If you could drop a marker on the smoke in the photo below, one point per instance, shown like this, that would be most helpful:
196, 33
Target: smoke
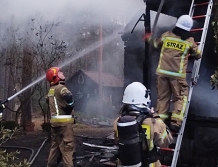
171, 7
74, 17
67, 10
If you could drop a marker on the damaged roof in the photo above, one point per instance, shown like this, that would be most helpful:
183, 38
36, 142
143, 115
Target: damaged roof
108, 80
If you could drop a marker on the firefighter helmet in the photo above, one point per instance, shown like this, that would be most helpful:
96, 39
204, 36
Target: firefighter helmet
137, 94
185, 22
52, 75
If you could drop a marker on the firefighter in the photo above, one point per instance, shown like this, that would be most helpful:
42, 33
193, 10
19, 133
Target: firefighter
2, 107
61, 104
136, 103
176, 46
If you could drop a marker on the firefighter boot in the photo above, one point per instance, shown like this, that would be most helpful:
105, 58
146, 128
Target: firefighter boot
167, 121
174, 126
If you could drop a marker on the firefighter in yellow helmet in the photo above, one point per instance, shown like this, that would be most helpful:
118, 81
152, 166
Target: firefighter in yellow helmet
138, 130
176, 46
61, 104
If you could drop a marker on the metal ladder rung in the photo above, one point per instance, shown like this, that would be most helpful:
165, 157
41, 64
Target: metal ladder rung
196, 29
201, 4
174, 133
197, 17
188, 71
166, 149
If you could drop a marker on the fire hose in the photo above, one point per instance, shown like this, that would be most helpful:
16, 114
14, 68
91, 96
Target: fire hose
20, 148
33, 156
2, 106
30, 162
5, 101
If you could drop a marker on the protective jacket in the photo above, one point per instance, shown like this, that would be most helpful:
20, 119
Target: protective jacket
171, 71
58, 105
157, 135
61, 106
174, 54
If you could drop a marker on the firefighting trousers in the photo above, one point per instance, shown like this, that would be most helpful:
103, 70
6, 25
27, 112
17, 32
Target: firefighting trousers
62, 145
155, 164
175, 89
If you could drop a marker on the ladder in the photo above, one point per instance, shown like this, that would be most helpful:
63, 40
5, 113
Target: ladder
196, 9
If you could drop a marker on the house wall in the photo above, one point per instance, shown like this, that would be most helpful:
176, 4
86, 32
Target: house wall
112, 100
85, 92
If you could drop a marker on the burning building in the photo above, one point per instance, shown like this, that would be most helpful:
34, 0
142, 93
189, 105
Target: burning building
201, 126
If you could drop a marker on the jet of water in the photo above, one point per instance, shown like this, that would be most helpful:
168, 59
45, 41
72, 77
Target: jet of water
89, 49
27, 87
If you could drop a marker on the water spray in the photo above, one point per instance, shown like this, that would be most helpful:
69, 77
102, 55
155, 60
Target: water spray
89, 49
21, 91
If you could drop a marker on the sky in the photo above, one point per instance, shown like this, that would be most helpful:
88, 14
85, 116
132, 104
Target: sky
65, 9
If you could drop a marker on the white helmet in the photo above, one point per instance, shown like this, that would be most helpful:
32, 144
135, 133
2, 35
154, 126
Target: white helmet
185, 22
136, 93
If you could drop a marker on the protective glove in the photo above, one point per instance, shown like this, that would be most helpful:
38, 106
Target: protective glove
2, 106
69, 108
147, 36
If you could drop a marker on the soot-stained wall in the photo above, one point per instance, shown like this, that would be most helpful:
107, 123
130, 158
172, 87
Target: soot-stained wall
134, 51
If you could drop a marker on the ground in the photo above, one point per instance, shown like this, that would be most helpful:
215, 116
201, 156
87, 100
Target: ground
34, 146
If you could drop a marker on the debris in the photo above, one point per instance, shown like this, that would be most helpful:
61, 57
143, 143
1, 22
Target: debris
99, 146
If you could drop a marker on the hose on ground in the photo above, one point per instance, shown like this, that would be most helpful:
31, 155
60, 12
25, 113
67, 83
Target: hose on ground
37, 153
21, 148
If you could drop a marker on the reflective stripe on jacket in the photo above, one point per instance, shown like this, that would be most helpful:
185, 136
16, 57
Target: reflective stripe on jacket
62, 118
174, 54
57, 104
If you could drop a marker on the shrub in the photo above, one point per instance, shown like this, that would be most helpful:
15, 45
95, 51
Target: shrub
9, 159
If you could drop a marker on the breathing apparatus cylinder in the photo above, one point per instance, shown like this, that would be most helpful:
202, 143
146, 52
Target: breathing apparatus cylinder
130, 146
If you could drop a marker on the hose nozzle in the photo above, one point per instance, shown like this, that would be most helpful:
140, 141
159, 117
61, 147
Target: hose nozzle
4, 101
2, 106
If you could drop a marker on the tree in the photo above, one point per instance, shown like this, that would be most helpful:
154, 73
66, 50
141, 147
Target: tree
48, 50
214, 77
11, 54
27, 70
26, 59
28, 54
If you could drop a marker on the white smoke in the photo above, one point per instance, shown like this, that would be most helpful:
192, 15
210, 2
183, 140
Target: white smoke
66, 10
